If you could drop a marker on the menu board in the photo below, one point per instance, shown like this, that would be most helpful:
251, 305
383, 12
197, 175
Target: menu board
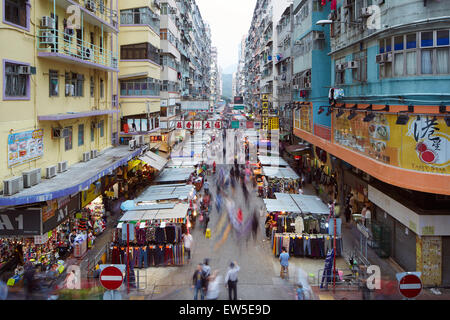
25, 146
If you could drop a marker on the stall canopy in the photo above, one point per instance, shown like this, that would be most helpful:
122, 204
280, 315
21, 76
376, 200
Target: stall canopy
307, 204
175, 174
184, 162
166, 192
153, 160
273, 161
179, 211
282, 173
281, 205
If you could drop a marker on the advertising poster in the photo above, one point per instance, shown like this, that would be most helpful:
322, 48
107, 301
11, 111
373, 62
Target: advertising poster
25, 146
421, 145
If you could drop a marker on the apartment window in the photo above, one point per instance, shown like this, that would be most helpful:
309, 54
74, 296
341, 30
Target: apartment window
139, 51
53, 83
74, 84
92, 133
102, 89
80, 134
16, 12
360, 74
422, 53
68, 138
102, 128
340, 73
140, 87
164, 8
16, 83
140, 16
92, 87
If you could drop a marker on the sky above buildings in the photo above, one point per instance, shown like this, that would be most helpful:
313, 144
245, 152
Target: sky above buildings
229, 20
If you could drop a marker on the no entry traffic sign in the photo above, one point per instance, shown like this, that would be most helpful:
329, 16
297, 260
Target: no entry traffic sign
410, 286
111, 278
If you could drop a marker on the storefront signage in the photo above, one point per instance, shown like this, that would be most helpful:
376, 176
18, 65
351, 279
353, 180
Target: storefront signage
25, 146
25, 222
422, 145
93, 192
64, 207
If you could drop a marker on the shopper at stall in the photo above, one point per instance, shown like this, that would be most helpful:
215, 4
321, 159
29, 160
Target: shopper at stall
284, 262
188, 240
231, 280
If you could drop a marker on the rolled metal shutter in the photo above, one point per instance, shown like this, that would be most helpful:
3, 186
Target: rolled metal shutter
446, 261
405, 247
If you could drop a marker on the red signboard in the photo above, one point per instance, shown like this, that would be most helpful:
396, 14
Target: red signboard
111, 278
410, 286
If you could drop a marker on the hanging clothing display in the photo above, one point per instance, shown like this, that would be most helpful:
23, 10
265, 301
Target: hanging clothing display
306, 245
150, 256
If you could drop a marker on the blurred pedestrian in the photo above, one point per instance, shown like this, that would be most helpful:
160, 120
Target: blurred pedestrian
284, 262
198, 282
231, 280
213, 287
255, 225
29, 280
206, 186
206, 221
188, 240
300, 293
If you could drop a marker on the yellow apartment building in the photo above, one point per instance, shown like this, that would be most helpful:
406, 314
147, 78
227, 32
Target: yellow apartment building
140, 71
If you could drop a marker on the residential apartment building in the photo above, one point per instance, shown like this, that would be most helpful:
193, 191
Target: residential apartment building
260, 55
372, 102
140, 71
215, 81
60, 115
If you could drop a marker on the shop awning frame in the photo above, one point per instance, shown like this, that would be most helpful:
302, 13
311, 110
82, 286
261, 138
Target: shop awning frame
153, 160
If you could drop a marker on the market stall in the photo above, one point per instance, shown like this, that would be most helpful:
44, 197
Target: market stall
170, 175
158, 236
272, 161
280, 180
301, 224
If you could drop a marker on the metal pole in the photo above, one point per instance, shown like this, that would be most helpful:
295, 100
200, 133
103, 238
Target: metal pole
334, 247
128, 258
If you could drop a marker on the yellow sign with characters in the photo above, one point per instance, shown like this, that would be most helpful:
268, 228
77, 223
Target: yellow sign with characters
265, 97
421, 145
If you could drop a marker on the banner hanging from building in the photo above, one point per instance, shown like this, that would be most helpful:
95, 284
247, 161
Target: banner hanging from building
421, 145
25, 146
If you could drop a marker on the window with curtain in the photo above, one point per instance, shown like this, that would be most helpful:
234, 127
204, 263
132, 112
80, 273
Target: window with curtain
16, 85
102, 128
92, 134
427, 61
80, 134
68, 139
399, 64
442, 63
53, 83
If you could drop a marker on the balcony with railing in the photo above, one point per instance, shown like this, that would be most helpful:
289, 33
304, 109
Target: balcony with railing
140, 16
66, 47
94, 12
144, 88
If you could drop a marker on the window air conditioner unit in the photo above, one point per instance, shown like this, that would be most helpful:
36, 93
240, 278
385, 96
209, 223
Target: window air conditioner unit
296, 87
388, 57
31, 177
12, 186
48, 37
50, 172
298, 42
156, 3
87, 54
340, 67
308, 85
62, 166
319, 36
47, 22
332, 16
132, 144
94, 125
91, 5
24, 70
380, 58
173, 10
57, 133
94, 153
352, 65
365, 12
86, 156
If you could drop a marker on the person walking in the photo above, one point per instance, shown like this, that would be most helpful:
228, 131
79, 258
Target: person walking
198, 282
284, 262
187, 239
231, 280
206, 221
213, 287
300, 292
206, 186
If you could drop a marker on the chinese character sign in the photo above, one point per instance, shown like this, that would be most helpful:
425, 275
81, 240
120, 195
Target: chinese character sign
198, 125
207, 125
188, 125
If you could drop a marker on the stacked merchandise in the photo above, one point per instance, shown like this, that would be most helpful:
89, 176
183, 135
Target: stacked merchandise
96, 211
154, 245
304, 236
282, 185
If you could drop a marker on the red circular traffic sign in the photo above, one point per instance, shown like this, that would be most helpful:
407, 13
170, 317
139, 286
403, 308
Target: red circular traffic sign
410, 286
111, 278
